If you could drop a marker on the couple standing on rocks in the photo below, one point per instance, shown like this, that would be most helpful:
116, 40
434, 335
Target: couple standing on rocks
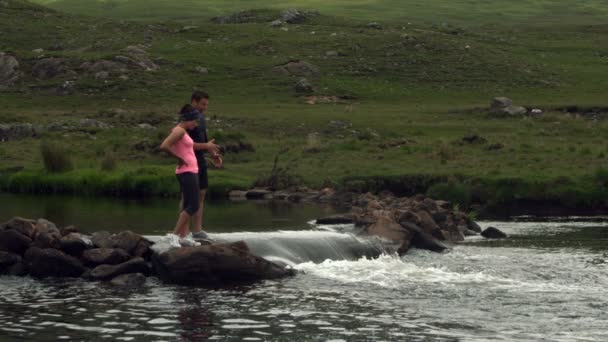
188, 142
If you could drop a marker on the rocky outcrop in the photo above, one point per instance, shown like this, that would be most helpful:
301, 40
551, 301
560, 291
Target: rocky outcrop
297, 68
214, 265
9, 71
18, 131
38, 248
47, 68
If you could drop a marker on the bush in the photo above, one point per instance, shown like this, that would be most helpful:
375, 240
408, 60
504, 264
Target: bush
108, 163
456, 193
55, 157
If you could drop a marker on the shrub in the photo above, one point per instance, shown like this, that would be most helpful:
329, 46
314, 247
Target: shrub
456, 193
55, 157
108, 163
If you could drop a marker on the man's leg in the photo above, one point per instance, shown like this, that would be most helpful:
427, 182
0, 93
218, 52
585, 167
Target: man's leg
197, 219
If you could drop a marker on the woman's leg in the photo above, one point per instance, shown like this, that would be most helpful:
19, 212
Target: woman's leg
181, 227
189, 187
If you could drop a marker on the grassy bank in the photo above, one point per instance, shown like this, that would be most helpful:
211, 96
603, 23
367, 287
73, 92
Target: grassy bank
407, 103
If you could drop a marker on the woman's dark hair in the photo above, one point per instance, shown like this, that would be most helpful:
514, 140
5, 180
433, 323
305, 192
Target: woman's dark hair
198, 95
187, 108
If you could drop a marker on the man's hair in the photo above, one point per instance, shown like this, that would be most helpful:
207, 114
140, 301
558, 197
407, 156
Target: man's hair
199, 95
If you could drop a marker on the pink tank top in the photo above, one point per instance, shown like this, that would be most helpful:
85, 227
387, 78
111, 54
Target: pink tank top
184, 148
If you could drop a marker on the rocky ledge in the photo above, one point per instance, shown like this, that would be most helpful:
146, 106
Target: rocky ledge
40, 249
407, 222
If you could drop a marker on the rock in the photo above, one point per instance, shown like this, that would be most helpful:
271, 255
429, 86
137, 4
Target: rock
495, 147
108, 256
74, 244
240, 17
213, 265
303, 86
102, 239
336, 219
332, 53
426, 222
9, 71
14, 242
201, 70
276, 23
393, 231
110, 67
499, 103
298, 68
515, 110
474, 139
536, 112
102, 75
106, 272
18, 131
258, 193
69, 229
49, 68
472, 225
335, 125
493, 233
21, 225
423, 240
50, 262
237, 195
145, 126
129, 280
95, 124
132, 243
294, 16
7, 260
374, 25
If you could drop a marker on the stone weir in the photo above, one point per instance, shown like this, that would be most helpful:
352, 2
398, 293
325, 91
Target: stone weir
410, 222
39, 249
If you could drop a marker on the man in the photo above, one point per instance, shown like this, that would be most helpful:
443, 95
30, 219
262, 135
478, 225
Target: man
200, 100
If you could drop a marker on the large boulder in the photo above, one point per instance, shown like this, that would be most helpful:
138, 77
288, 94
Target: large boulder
422, 240
298, 68
102, 239
21, 225
390, 230
14, 242
47, 235
108, 256
215, 265
493, 233
49, 68
49, 262
8, 260
18, 131
9, 71
107, 272
132, 243
75, 244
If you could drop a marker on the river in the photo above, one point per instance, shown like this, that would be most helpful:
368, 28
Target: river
547, 282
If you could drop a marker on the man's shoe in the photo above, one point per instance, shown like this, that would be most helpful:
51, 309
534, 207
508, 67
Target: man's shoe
202, 235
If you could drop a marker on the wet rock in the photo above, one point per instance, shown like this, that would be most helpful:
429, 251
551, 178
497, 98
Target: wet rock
108, 256
21, 225
7, 260
13, 132
9, 71
132, 243
298, 68
472, 225
336, 219
51, 262
102, 239
426, 222
47, 235
49, 68
423, 240
493, 233
14, 242
393, 231
106, 272
213, 265
258, 193
74, 244
129, 280
69, 229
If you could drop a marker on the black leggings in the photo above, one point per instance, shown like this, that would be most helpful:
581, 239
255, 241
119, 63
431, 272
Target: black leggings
188, 183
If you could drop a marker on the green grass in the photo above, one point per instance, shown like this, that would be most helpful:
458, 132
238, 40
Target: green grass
415, 90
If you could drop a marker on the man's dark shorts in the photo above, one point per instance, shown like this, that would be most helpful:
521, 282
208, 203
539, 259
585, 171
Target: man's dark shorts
203, 179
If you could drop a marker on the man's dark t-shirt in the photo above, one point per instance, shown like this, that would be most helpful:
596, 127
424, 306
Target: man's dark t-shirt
199, 135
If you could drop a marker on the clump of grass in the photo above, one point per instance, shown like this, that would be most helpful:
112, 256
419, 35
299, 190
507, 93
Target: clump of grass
457, 193
313, 144
55, 157
445, 153
109, 162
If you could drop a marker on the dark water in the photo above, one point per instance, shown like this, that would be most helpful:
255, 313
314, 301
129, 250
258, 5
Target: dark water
547, 282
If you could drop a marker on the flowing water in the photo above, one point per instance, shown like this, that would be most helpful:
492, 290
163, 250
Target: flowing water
547, 282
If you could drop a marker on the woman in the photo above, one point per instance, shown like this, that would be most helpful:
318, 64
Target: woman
180, 145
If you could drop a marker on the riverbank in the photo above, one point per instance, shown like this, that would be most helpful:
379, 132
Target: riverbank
485, 197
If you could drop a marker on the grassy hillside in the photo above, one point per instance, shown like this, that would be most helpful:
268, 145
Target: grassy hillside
402, 97
469, 13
